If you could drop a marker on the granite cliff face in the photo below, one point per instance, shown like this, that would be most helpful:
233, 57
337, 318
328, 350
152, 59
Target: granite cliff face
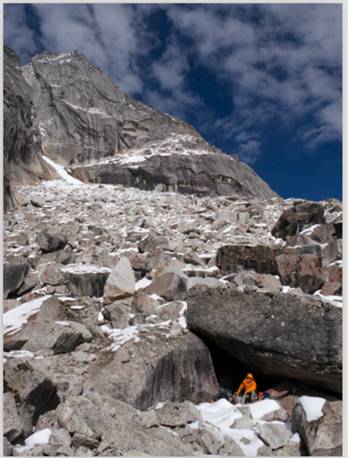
84, 121
23, 163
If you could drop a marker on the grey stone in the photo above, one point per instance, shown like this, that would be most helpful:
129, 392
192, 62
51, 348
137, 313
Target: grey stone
36, 391
274, 434
120, 283
292, 448
117, 313
280, 334
322, 436
174, 414
152, 242
46, 330
60, 437
148, 419
66, 255
50, 274
298, 217
13, 427
50, 241
231, 258
31, 281
14, 276
210, 282
7, 447
169, 285
144, 303
302, 271
169, 311
276, 415
94, 420
244, 422
157, 369
85, 280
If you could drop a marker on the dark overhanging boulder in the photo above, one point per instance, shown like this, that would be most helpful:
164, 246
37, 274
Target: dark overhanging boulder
261, 258
297, 218
285, 335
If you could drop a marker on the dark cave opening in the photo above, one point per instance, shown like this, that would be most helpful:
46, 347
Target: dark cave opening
230, 372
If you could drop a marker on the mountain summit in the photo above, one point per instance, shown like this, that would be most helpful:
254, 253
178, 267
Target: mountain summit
84, 121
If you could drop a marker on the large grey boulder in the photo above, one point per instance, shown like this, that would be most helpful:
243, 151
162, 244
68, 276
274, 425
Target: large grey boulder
14, 277
117, 313
48, 329
50, 241
281, 335
254, 281
320, 425
176, 414
300, 216
120, 283
36, 391
209, 441
231, 258
13, 427
83, 117
111, 427
155, 369
152, 242
304, 271
85, 280
7, 447
169, 285
274, 434
23, 163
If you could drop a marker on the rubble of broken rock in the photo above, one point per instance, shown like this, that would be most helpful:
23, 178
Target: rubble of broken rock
114, 297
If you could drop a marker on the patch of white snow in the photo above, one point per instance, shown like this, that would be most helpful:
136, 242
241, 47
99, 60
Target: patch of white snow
143, 283
39, 438
261, 408
62, 172
312, 406
15, 318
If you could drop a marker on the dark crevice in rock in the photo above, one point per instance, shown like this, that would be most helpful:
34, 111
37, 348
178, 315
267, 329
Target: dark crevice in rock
44, 398
230, 371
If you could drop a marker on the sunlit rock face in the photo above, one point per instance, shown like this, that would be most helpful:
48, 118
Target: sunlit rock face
86, 122
23, 163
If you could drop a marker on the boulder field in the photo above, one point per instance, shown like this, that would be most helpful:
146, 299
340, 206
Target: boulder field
114, 299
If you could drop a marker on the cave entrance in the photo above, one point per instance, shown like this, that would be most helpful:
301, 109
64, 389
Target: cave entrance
230, 371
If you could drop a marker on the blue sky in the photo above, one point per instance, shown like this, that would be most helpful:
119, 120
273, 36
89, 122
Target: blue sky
262, 81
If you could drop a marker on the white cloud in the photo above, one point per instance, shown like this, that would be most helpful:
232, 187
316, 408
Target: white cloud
169, 73
111, 36
16, 30
283, 64
280, 63
249, 151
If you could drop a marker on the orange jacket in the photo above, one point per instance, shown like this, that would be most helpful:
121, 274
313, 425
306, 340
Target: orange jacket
247, 386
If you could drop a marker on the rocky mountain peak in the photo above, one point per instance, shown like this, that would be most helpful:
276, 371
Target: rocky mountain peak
86, 122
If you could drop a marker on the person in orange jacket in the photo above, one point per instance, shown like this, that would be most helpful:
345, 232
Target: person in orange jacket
248, 389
